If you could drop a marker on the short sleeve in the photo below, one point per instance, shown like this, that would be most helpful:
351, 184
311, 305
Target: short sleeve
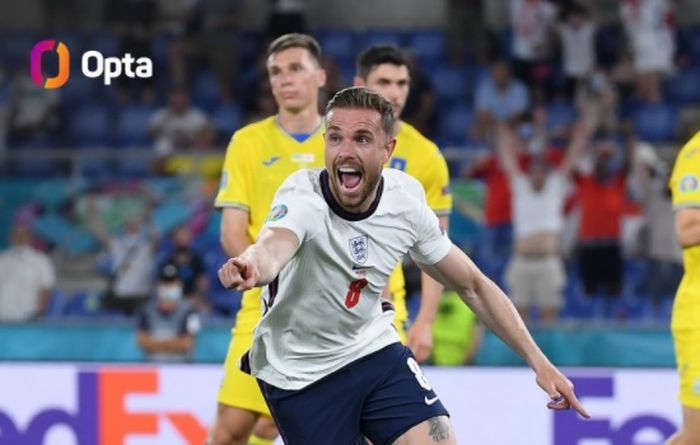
685, 180
236, 179
432, 244
295, 209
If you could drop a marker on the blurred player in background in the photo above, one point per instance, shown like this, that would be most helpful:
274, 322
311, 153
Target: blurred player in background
329, 362
685, 187
384, 69
259, 157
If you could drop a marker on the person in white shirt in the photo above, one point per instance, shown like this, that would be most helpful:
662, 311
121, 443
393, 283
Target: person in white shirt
531, 21
650, 28
577, 39
535, 274
179, 126
325, 354
27, 278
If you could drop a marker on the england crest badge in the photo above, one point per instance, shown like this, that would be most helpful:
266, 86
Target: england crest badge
358, 248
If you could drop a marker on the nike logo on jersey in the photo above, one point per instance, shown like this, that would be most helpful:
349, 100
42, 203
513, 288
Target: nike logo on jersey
430, 401
271, 161
358, 267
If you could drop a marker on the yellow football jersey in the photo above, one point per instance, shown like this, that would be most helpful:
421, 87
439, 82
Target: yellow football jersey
685, 187
419, 157
258, 159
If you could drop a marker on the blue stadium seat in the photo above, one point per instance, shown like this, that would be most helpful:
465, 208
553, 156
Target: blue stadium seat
655, 122
62, 233
79, 90
449, 83
171, 214
205, 90
339, 44
107, 44
227, 119
454, 124
132, 126
684, 87
378, 36
89, 126
427, 45
560, 114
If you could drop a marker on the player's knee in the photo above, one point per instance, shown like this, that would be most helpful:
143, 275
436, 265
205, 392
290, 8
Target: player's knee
265, 428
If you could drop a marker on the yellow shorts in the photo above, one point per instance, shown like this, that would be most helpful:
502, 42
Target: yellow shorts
687, 344
239, 389
397, 289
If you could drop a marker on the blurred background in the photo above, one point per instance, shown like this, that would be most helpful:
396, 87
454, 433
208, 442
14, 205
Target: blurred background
104, 186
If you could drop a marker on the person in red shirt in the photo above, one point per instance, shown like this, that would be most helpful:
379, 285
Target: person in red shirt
602, 202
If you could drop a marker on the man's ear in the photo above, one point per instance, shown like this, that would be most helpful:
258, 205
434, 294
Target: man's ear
389, 148
321, 78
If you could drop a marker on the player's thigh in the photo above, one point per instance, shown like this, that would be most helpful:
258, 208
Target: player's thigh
401, 396
327, 411
691, 425
436, 430
239, 389
232, 426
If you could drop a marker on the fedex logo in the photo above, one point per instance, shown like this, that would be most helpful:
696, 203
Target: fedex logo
93, 64
102, 416
642, 428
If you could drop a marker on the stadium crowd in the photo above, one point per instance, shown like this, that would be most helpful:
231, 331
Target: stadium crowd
558, 128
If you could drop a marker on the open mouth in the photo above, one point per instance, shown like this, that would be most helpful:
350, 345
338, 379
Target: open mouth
350, 178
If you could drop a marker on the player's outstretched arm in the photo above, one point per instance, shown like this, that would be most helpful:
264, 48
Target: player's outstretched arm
261, 262
495, 310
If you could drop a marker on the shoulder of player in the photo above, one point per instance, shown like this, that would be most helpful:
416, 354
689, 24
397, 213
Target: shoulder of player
256, 129
409, 137
396, 181
303, 183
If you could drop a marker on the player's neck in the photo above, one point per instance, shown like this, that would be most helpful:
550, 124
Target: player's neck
304, 121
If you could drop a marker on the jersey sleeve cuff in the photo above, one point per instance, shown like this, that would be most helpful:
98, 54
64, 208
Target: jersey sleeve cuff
231, 205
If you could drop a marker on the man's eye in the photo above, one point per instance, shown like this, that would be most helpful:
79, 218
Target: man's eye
362, 139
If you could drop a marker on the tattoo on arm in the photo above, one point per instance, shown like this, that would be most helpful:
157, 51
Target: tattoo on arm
439, 429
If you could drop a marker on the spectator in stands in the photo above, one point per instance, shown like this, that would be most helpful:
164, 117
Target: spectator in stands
650, 26
32, 110
421, 105
191, 267
457, 334
535, 273
577, 38
179, 126
134, 21
498, 97
27, 278
601, 197
532, 24
665, 255
132, 254
207, 36
286, 17
168, 324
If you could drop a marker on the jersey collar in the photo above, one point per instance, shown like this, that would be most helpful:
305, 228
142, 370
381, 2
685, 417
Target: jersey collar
341, 212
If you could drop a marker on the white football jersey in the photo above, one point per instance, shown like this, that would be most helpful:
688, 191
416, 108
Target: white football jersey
325, 309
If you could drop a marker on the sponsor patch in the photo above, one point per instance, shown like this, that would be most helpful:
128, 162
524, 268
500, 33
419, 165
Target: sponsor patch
688, 184
224, 180
278, 212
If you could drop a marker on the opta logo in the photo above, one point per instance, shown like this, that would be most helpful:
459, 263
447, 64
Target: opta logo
63, 64
92, 63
